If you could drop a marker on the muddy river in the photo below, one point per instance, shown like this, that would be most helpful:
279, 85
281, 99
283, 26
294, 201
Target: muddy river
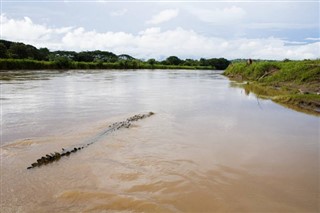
210, 147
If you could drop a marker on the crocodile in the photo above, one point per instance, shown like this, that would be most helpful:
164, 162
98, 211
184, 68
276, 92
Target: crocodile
55, 156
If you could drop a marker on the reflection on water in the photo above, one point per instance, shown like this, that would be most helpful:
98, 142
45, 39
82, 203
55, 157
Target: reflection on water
274, 93
208, 148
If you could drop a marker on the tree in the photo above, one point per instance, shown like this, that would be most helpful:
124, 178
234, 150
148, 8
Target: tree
216, 63
18, 50
204, 62
152, 61
62, 62
173, 60
3, 51
191, 62
221, 63
135, 64
123, 64
6, 43
43, 54
84, 56
32, 52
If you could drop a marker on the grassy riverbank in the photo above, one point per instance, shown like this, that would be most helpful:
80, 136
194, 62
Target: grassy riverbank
293, 83
28, 64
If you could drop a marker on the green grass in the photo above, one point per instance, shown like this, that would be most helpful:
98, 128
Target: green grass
297, 71
28, 64
295, 83
18, 64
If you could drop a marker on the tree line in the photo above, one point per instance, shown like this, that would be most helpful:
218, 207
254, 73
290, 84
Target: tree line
27, 55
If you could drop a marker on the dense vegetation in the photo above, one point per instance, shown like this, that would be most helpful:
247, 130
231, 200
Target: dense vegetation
15, 55
291, 82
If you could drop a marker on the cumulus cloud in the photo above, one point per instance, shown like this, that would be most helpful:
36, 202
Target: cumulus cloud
219, 16
163, 16
156, 43
27, 31
79, 39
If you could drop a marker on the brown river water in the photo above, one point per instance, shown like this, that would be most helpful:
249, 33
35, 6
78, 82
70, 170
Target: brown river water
208, 148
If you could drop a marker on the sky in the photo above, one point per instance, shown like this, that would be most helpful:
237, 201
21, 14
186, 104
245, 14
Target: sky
265, 29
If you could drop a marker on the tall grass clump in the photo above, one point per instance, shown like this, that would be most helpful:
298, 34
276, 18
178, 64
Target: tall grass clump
19, 64
277, 71
253, 71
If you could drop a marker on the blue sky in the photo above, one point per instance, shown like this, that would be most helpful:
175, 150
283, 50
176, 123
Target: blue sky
230, 29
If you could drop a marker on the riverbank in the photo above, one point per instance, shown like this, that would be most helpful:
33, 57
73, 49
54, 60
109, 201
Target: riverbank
292, 83
29, 64
20, 56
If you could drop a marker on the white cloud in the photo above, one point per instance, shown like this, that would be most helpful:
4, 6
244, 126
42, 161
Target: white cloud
25, 30
163, 16
155, 43
274, 25
152, 30
295, 42
312, 39
219, 16
79, 39
119, 12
